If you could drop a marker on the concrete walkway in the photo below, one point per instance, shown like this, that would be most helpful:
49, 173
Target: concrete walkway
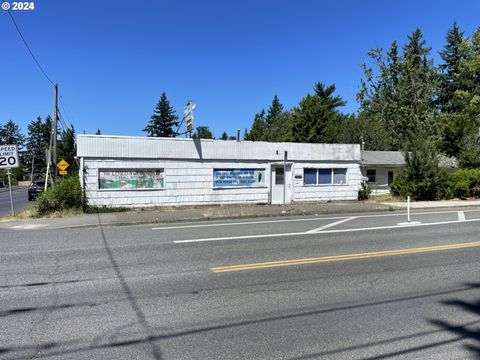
434, 204
220, 212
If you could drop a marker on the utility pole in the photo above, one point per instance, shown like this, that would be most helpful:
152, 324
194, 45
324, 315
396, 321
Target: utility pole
55, 121
52, 149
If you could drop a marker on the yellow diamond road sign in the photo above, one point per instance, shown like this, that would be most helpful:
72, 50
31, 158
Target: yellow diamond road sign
63, 165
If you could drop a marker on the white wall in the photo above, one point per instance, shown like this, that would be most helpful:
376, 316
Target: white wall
190, 182
186, 183
327, 192
380, 186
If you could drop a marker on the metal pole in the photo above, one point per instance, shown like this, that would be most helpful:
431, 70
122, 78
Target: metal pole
408, 208
10, 187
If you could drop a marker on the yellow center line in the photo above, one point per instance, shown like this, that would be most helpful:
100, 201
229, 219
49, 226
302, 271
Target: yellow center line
272, 264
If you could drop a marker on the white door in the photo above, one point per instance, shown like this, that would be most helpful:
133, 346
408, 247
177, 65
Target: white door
281, 184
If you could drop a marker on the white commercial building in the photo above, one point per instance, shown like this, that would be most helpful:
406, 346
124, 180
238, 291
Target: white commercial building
148, 171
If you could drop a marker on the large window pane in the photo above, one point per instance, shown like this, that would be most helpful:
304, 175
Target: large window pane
324, 176
279, 176
340, 176
310, 176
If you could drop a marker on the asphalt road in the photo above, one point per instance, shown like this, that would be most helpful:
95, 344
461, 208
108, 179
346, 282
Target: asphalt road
347, 287
20, 200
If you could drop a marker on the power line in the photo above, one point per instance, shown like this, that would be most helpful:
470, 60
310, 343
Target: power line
65, 110
28, 48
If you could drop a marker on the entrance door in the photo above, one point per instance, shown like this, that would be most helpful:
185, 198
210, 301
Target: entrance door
281, 188
390, 178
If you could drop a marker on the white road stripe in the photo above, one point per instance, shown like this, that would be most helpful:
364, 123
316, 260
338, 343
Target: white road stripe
318, 233
399, 213
246, 223
461, 216
331, 225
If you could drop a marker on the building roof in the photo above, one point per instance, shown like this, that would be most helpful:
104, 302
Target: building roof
114, 147
383, 158
395, 158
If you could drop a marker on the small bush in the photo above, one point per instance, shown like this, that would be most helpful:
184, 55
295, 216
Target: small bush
67, 194
364, 192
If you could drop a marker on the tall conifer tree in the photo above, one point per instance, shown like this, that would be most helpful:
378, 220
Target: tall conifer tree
163, 120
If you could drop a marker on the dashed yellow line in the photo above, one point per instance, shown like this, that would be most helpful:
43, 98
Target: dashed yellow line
272, 264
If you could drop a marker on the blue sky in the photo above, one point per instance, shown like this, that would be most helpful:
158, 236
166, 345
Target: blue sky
113, 59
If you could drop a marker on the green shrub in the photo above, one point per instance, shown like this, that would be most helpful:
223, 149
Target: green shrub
364, 192
401, 186
466, 183
67, 194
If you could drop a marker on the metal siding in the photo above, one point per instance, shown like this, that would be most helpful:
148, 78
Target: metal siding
117, 147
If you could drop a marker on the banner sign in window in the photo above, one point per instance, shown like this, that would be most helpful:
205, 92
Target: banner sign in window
238, 177
131, 179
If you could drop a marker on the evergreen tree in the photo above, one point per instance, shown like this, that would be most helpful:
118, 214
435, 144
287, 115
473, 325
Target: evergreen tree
314, 113
378, 96
416, 92
461, 122
422, 179
163, 120
452, 55
202, 132
38, 141
278, 131
258, 127
67, 149
10, 133
276, 108
469, 77
399, 91
225, 136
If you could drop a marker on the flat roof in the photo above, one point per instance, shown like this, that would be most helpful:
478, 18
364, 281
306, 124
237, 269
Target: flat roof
135, 147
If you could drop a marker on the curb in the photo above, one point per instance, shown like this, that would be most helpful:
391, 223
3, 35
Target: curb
122, 222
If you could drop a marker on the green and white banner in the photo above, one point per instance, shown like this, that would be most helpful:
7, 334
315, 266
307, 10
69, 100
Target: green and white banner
131, 179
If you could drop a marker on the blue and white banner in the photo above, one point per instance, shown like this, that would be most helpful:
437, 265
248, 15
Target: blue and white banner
238, 177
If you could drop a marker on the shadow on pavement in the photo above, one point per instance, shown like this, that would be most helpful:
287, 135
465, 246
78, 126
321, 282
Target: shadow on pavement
151, 336
464, 331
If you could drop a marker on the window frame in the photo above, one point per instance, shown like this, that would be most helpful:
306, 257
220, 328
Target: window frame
369, 176
332, 171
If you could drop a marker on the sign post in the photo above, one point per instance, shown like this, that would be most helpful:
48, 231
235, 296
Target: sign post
9, 160
10, 188
188, 117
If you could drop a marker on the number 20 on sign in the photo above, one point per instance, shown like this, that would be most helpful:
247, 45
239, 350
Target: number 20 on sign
8, 156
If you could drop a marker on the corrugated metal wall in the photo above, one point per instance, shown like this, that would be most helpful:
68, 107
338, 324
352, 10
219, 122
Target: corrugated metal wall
101, 146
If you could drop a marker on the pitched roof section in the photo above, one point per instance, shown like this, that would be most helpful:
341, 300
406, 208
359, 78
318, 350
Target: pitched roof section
114, 147
383, 158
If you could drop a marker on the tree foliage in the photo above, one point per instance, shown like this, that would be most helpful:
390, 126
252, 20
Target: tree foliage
67, 149
163, 120
38, 140
202, 132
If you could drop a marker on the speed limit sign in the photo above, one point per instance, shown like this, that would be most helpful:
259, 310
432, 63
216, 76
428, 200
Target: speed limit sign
8, 156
